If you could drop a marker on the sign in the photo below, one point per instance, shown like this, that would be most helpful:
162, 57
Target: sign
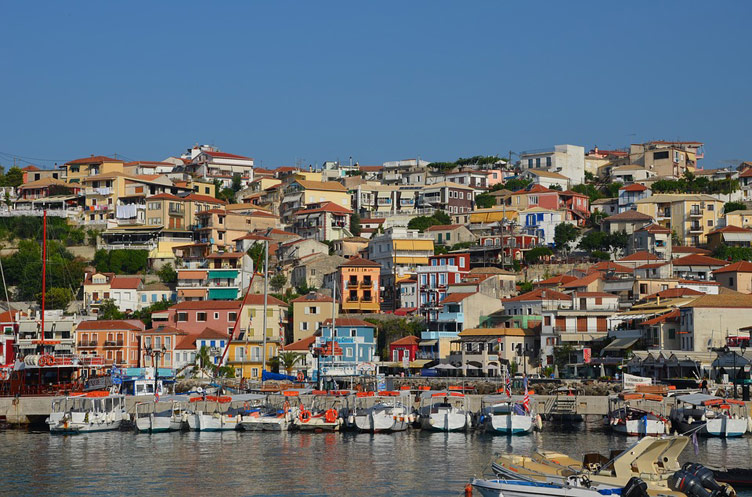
406, 359
586, 354
630, 381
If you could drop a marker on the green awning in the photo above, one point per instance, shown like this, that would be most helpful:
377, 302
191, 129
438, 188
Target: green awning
223, 273
223, 293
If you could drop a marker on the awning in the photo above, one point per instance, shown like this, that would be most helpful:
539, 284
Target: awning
230, 274
223, 293
191, 292
419, 363
620, 344
411, 260
427, 343
426, 245
404, 311
191, 275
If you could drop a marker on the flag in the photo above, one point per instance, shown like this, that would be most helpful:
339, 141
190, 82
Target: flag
156, 396
508, 387
526, 399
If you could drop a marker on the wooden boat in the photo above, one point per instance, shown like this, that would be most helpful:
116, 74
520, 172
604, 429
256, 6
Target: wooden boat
444, 411
92, 412
635, 414
709, 415
502, 414
388, 412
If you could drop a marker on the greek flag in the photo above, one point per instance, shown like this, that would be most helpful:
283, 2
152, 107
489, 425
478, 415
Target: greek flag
526, 400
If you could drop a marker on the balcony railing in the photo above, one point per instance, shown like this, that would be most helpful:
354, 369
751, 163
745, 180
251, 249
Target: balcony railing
695, 212
366, 284
695, 228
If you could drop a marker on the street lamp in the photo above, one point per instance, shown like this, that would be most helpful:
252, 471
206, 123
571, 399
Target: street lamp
155, 355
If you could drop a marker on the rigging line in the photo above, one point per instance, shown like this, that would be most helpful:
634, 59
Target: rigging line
31, 158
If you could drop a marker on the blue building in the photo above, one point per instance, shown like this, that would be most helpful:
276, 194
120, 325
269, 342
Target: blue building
350, 351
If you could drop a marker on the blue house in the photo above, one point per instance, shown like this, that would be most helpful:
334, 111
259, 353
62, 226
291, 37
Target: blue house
349, 351
215, 343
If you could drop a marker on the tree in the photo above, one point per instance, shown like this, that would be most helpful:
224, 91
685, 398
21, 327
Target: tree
734, 206
121, 261
515, 184
421, 223
355, 223
144, 314
562, 356
257, 254
555, 187
288, 360
589, 177
564, 234
109, 311
56, 298
595, 240
618, 240
14, 177
203, 360
439, 249
612, 189
167, 274
534, 255
526, 286
92, 234
589, 190
484, 201
237, 183
733, 254
278, 281
442, 217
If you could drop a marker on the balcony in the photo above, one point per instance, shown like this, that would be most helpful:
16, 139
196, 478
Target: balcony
86, 343
695, 228
366, 284
695, 212
113, 343
98, 191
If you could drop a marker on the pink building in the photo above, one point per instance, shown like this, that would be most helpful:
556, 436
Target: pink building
194, 317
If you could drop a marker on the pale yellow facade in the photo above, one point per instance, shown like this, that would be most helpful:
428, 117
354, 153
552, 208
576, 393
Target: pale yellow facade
308, 316
691, 217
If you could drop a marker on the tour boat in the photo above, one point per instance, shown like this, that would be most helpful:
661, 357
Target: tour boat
709, 416
444, 411
95, 411
501, 414
156, 421
389, 411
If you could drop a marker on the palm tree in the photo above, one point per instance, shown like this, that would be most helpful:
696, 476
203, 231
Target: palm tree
288, 360
203, 359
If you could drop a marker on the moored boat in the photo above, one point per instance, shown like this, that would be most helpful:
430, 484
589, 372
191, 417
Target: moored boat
502, 414
388, 411
444, 411
319, 417
91, 412
709, 416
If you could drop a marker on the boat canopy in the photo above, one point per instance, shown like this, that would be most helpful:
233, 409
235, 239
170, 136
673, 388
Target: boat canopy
699, 399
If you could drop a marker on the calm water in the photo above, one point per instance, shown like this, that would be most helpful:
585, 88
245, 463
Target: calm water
286, 464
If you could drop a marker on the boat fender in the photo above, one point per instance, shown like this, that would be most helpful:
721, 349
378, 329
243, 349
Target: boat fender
749, 423
468, 490
667, 426
539, 422
351, 419
286, 407
681, 481
706, 476
635, 487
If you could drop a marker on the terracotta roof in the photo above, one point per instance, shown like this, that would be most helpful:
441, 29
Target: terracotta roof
301, 345
258, 299
331, 186
46, 182
94, 159
200, 305
699, 282
611, 266
125, 282
225, 155
370, 168
444, 227
629, 216
326, 207
225, 255
187, 343
674, 293
731, 229
313, 297
488, 270
408, 340
652, 266
165, 196
689, 250
634, 187
737, 267
746, 173
655, 228
540, 294
162, 329
596, 294
203, 198
349, 322
532, 189
360, 262
640, 256
210, 333
546, 174
30, 167
728, 300
584, 281
672, 315
698, 260
456, 297
557, 280
480, 332
253, 236
108, 325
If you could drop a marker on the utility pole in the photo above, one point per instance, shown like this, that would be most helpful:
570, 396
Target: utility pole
266, 297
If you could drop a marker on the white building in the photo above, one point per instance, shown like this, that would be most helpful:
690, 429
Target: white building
568, 160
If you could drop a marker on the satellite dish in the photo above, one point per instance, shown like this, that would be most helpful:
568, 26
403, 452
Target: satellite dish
200, 390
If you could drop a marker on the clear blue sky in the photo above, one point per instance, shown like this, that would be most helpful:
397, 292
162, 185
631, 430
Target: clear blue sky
316, 80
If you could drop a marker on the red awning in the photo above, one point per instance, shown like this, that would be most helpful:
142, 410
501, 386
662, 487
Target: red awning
404, 311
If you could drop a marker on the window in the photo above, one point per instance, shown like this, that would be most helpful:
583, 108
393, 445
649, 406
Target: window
548, 161
537, 162
660, 155
157, 342
731, 281
143, 297
710, 222
232, 316
530, 163
348, 352
200, 316
710, 207
147, 342
216, 315
168, 342
270, 313
353, 332
304, 326
182, 317
312, 310
547, 320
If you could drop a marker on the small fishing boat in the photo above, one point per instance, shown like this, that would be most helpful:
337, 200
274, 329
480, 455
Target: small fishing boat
576, 488
221, 418
710, 416
159, 418
91, 412
444, 411
502, 414
631, 414
319, 417
384, 411
261, 415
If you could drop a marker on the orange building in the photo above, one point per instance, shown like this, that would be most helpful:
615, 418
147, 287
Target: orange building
359, 283
115, 341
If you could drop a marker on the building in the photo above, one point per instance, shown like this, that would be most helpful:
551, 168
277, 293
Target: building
690, 216
194, 317
359, 285
730, 236
696, 267
117, 342
708, 320
77, 170
435, 277
311, 271
408, 295
630, 173
542, 222
451, 198
741, 218
736, 276
324, 222
567, 160
628, 221
450, 234
405, 348
654, 239
246, 352
161, 338
299, 194
630, 194
346, 347
308, 312
665, 158
122, 290
546, 178
152, 293
350, 246
214, 343
214, 276
487, 349
210, 164
399, 252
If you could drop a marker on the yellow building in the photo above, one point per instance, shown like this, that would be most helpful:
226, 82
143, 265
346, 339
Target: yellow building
740, 219
300, 193
245, 354
308, 313
359, 285
77, 170
690, 216
308, 176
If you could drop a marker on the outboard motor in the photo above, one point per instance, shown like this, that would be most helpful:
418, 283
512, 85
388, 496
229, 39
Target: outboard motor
635, 487
706, 477
682, 481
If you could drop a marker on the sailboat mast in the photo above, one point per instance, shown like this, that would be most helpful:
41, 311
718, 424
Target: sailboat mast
44, 269
266, 298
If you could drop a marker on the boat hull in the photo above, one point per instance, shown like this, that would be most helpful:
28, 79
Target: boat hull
639, 427
445, 420
382, 421
719, 427
513, 424
507, 488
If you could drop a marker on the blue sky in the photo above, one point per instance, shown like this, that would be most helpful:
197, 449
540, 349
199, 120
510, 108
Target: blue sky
313, 81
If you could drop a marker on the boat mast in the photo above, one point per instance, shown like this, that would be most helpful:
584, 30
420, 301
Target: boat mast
266, 298
44, 270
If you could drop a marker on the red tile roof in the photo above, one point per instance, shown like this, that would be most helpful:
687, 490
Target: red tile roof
301, 345
210, 333
125, 282
94, 159
187, 343
731, 229
165, 196
30, 167
313, 297
200, 305
640, 256
596, 294
444, 227
349, 322
628, 216
253, 236
540, 294
655, 228
634, 187
698, 260
408, 340
226, 155
456, 297
360, 262
584, 281
652, 266
689, 250
326, 207
258, 299
109, 325
610, 266
672, 315
737, 267
674, 293
204, 198
557, 280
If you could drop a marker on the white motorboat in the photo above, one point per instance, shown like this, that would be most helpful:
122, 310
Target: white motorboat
217, 418
260, 415
709, 416
319, 417
637, 415
444, 411
575, 488
502, 414
95, 411
160, 419
384, 411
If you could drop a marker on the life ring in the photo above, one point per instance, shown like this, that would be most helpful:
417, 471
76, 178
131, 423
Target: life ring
305, 415
331, 415
300, 376
3, 374
286, 407
246, 407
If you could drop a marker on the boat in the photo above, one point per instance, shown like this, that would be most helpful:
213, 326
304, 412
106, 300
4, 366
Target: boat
319, 417
384, 411
575, 488
91, 412
444, 411
709, 416
627, 419
160, 419
738, 477
261, 415
215, 419
502, 414
655, 460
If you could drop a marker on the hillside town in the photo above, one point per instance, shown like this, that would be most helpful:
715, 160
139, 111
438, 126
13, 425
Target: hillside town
560, 262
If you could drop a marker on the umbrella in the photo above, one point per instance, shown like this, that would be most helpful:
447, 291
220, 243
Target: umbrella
470, 366
443, 366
